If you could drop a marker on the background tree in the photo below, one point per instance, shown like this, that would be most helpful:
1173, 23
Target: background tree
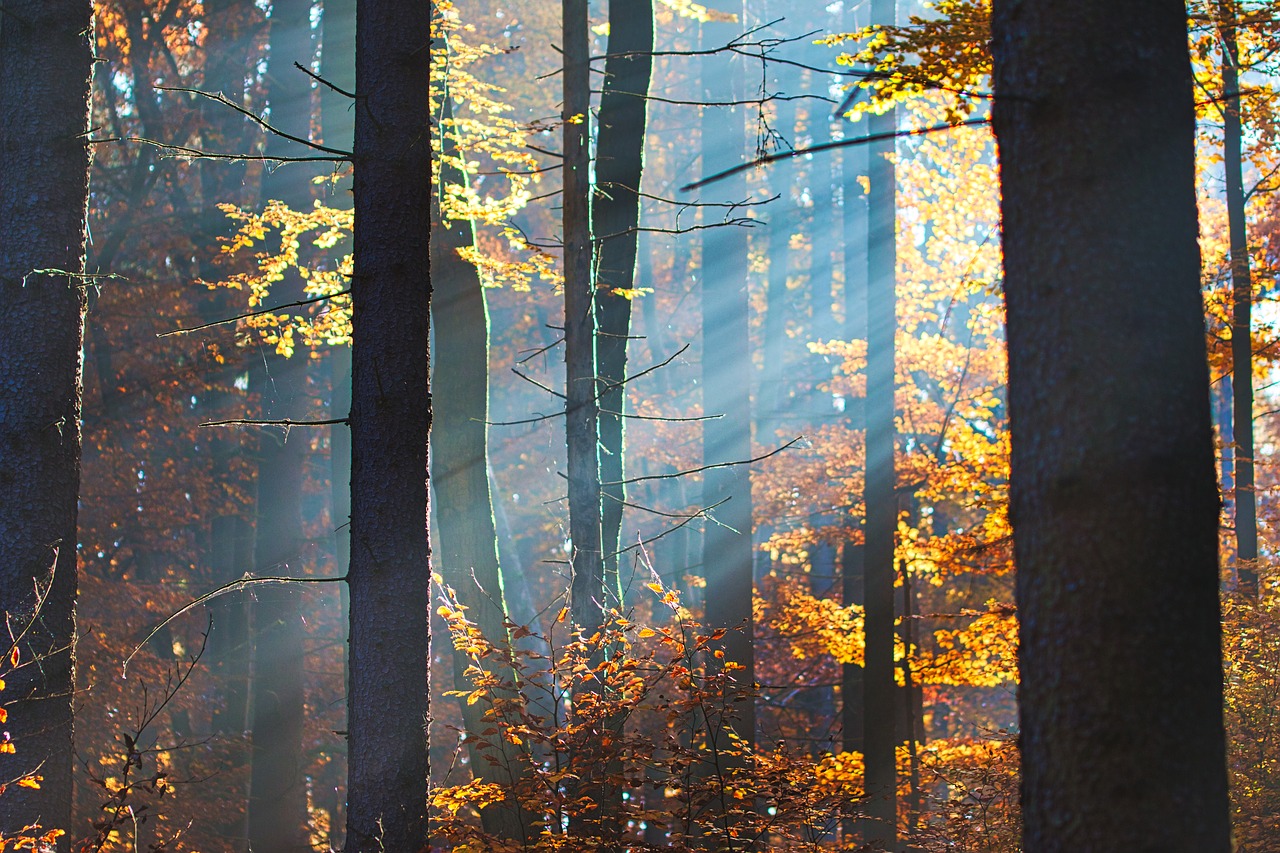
727, 552
879, 714
616, 226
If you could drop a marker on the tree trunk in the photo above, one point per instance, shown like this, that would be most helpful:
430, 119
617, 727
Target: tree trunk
726, 387
388, 704
773, 400
277, 783
615, 220
467, 536
590, 598
1245, 497
853, 164
1113, 495
45, 66
337, 127
880, 704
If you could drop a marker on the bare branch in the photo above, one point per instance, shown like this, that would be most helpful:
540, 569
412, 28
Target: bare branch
219, 98
286, 423
830, 146
233, 586
323, 82
702, 468
238, 317
195, 153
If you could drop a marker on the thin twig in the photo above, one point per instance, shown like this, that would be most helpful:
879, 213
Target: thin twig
829, 146
233, 586
307, 71
702, 468
196, 153
271, 310
219, 98
286, 423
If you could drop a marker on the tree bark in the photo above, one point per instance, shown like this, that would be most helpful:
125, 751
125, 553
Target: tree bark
615, 220
45, 66
589, 595
1114, 499
880, 735
388, 704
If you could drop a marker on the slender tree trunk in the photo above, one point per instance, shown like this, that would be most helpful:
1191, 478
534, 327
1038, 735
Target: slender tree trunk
615, 220
590, 598
277, 783
773, 400
1114, 499
880, 701
726, 386
1245, 496
388, 705
853, 164
337, 126
45, 65
467, 556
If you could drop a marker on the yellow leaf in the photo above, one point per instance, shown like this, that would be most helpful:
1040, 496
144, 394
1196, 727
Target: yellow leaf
647, 632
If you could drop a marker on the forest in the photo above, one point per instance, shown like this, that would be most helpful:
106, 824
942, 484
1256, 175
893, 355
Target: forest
639, 425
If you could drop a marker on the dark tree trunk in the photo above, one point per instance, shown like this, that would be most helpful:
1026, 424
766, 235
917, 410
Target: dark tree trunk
277, 784
1114, 500
388, 703
467, 538
726, 387
880, 736
615, 220
590, 598
45, 66
1245, 497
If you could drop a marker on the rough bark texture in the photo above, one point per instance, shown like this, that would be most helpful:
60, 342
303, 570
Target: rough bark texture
880, 692
726, 387
616, 216
277, 787
1244, 495
589, 596
1114, 501
388, 703
45, 61
466, 536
